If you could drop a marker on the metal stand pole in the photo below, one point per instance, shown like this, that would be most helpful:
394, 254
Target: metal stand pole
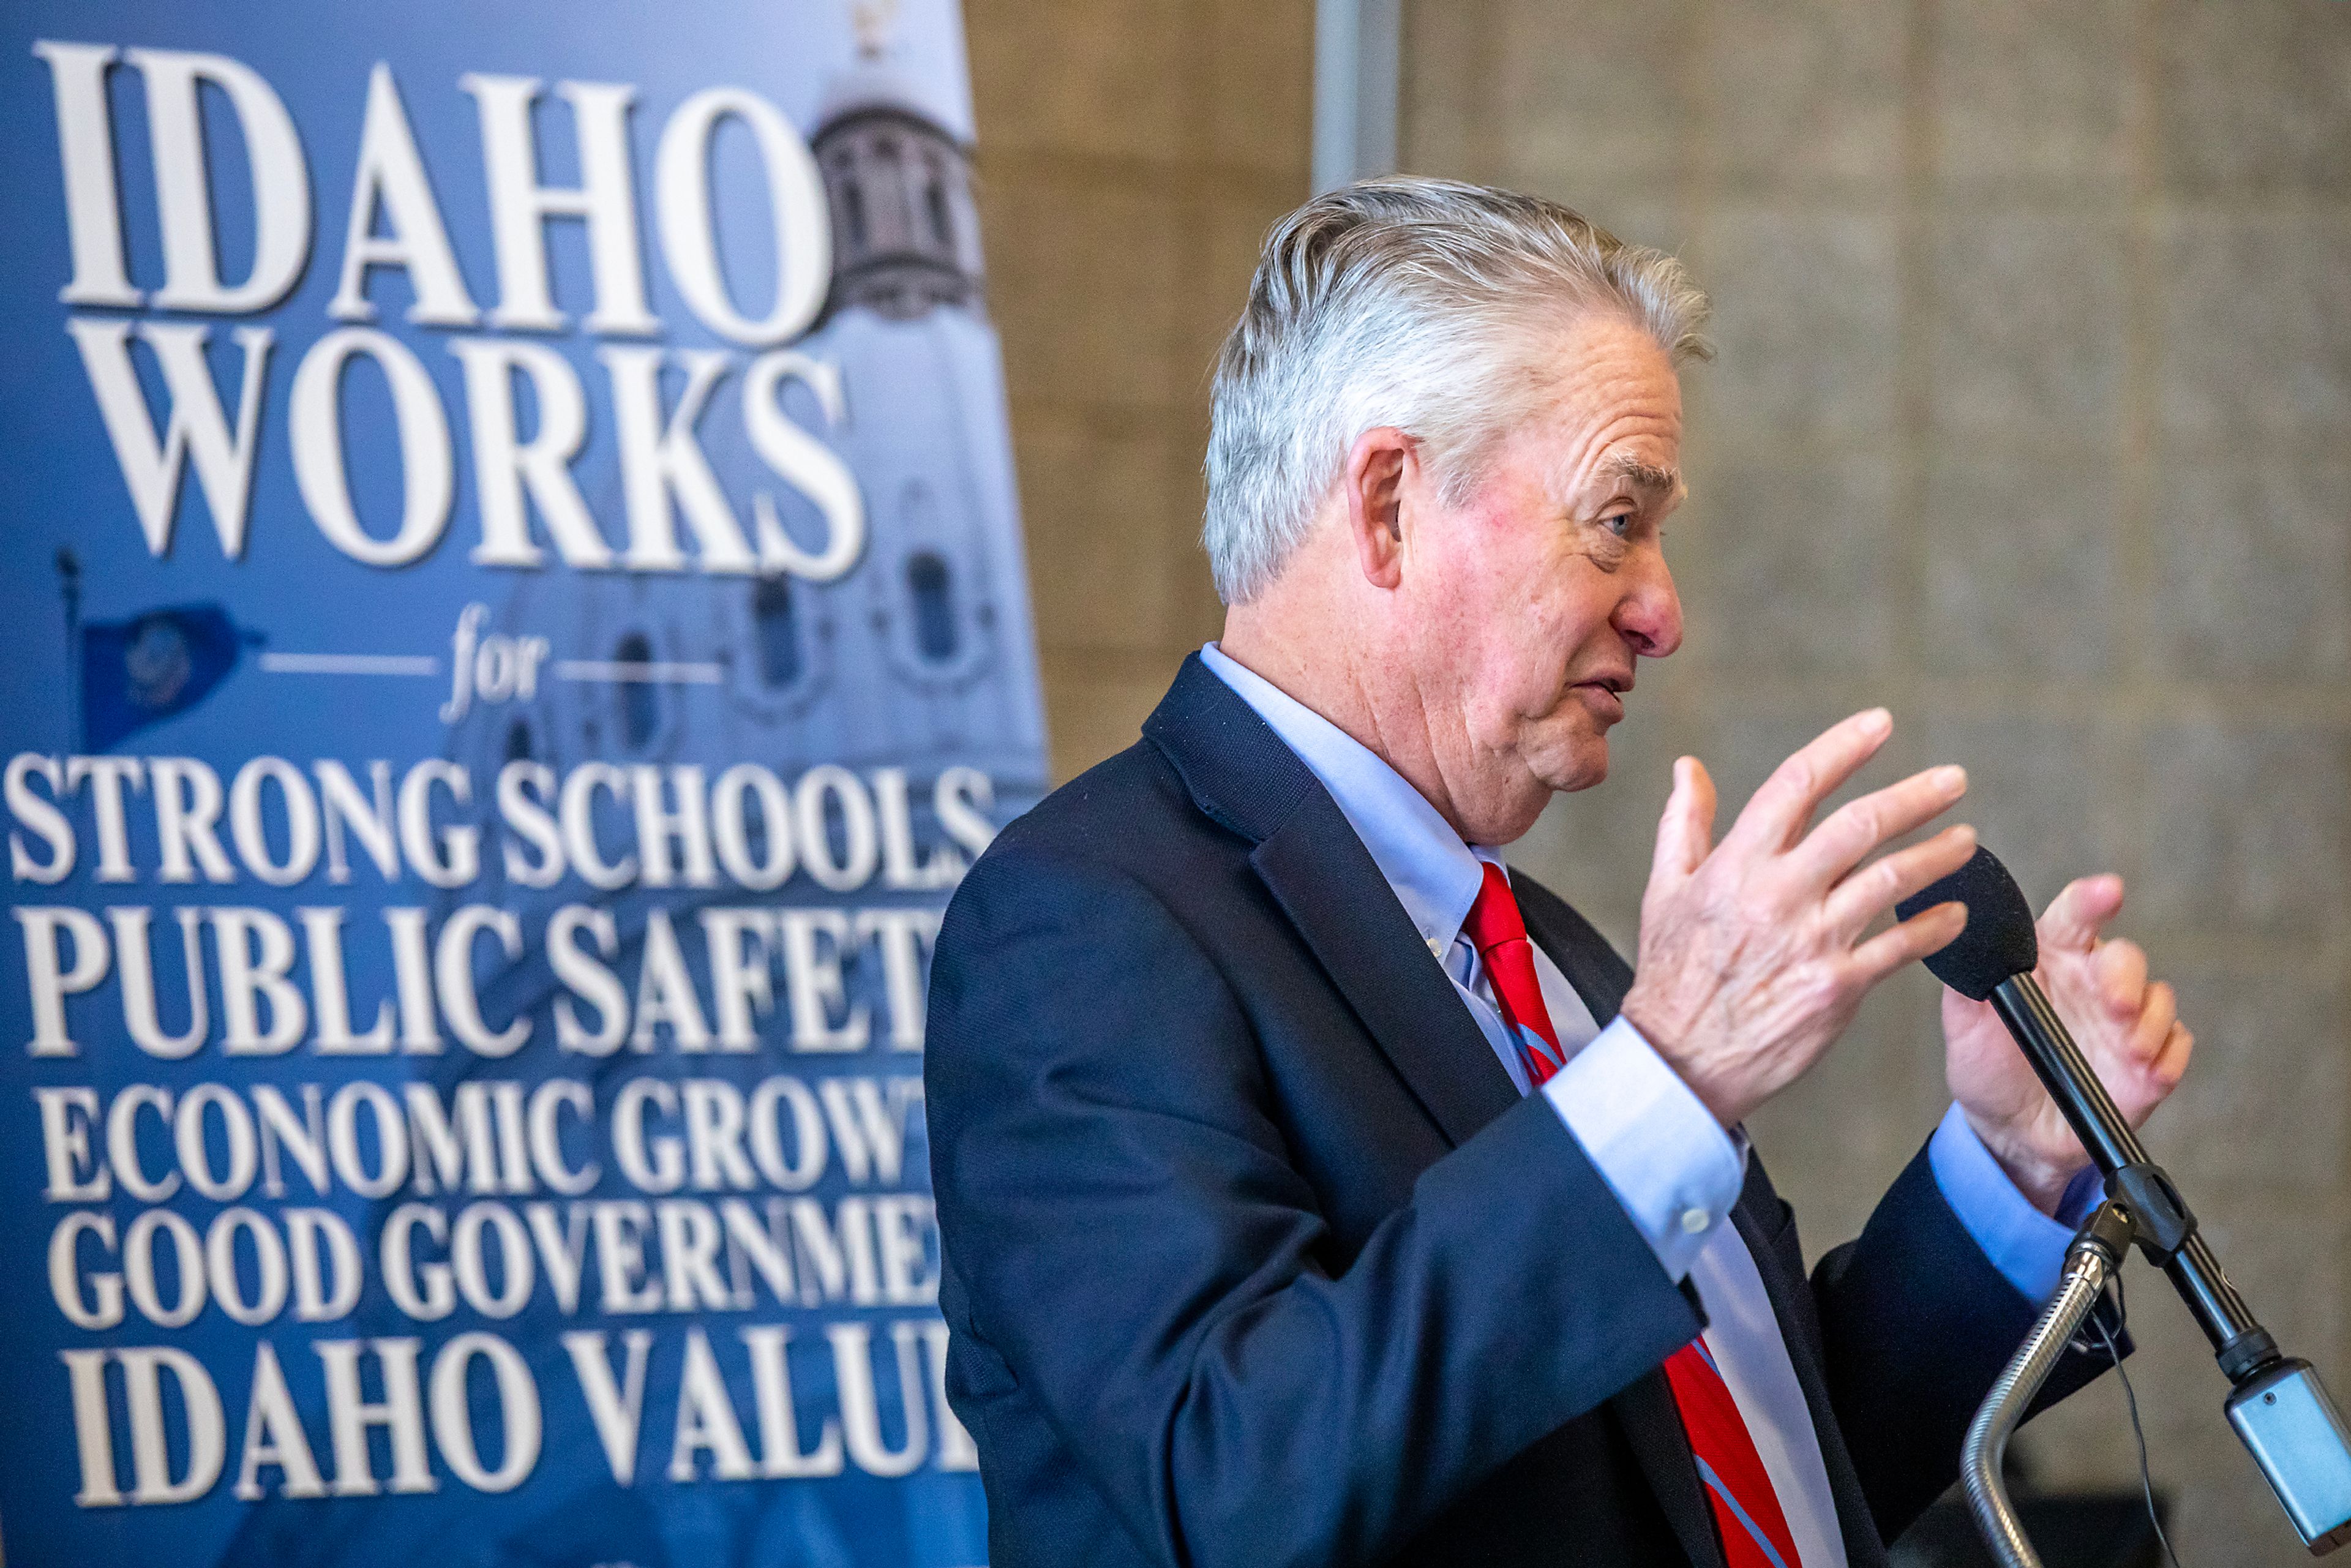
1357, 55
2092, 1260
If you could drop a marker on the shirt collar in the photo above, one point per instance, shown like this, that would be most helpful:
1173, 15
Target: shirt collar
1436, 876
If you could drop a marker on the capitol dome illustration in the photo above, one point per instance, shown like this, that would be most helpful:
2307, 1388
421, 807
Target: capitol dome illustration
921, 656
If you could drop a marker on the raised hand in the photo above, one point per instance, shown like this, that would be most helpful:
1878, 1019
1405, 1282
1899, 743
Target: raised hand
1753, 958
2128, 1028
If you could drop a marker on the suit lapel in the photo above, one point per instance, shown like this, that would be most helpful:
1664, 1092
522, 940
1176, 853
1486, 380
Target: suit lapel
1328, 884
1653, 1429
1652, 1423
1652, 1426
1318, 870
1861, 1545
1570, 941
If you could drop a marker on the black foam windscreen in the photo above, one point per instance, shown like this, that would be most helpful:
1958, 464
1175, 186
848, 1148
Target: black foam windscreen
1999, 941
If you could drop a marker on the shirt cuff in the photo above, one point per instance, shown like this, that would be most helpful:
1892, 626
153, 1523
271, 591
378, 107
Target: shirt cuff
1660, 1150
2025, 1244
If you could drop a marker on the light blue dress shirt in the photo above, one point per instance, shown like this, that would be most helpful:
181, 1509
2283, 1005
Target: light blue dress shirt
1662, 1153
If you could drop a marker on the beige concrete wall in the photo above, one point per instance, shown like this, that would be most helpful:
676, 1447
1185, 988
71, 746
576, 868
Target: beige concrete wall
1131, 155
2032, 420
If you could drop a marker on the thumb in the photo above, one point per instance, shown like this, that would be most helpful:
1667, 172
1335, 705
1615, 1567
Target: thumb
1686, 831
2076, 916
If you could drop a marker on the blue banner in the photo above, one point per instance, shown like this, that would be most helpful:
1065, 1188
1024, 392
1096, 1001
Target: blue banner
517, 622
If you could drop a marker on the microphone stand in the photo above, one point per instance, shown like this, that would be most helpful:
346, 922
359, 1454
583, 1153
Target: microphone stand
2281, 1410
2093, 1259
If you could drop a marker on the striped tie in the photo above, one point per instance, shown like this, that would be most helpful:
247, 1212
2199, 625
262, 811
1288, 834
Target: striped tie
1746, 1509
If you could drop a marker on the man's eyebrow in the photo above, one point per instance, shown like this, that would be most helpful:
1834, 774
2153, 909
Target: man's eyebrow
1665, 484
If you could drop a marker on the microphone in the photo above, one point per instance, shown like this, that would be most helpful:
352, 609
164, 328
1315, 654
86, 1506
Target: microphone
2281, 1411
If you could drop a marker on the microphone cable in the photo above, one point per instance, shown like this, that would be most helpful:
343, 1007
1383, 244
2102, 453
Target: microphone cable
2138, 1433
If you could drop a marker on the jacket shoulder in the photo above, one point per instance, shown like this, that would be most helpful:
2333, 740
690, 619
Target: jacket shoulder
1129, 815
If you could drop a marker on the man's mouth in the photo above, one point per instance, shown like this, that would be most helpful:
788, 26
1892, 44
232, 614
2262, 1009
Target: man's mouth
1605, 694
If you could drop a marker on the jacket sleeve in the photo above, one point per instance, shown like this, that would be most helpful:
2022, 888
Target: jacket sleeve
1917, 1323
1123, 1227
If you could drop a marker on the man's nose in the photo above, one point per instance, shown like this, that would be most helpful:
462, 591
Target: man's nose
1650, 614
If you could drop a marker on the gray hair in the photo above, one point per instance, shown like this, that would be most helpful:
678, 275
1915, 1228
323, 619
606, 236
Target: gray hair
1429, 305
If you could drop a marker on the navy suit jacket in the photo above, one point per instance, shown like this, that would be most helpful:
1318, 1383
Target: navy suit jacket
1253, 1255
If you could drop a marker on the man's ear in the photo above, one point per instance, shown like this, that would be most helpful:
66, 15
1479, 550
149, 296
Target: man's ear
1373, 484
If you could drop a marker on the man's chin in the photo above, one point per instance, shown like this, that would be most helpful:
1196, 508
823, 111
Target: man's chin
1583, 777
1579, 763
1507, 818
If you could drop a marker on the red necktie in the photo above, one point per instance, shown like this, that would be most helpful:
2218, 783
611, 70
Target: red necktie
1746, 1509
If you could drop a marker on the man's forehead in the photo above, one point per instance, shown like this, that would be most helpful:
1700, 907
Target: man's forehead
1612, 416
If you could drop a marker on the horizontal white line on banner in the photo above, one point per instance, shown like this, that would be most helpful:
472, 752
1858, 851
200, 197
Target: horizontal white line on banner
632, 670
350, 663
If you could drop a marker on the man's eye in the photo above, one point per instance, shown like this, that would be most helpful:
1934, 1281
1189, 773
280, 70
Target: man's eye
1620, 524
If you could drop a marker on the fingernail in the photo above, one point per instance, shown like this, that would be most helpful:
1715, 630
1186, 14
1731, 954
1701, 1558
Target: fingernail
1878, 721
1950, 780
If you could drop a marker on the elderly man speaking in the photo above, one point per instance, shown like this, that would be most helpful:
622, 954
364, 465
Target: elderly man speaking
1315, 1189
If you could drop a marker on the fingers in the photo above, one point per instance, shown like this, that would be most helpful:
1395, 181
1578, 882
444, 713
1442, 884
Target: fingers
1784, 805
1686, 831
2171, 1061
2076, 916
2120, 968
1858, 828
2151, 1030
1880, 885
1929, 931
